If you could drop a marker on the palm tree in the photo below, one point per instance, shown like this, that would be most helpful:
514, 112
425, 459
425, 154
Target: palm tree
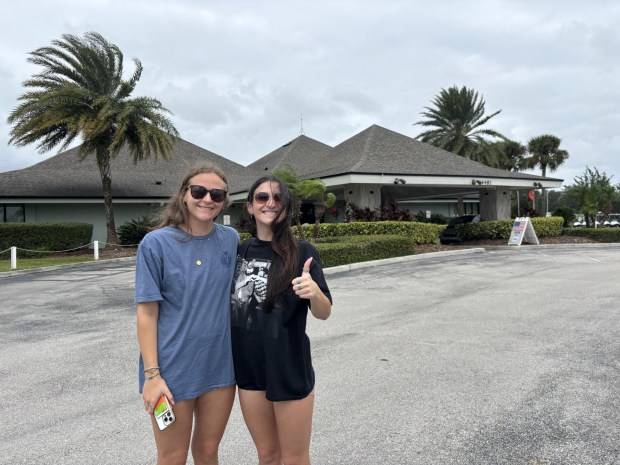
512, 155
593, 192
81, 92
456, 121
317, 190
545, 152
295, 187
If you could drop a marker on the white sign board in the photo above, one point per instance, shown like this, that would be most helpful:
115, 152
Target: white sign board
226, 220
522, 230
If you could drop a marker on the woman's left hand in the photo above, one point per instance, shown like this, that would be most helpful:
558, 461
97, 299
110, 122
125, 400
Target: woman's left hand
304, 286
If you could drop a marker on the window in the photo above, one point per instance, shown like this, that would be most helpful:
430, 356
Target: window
12, 213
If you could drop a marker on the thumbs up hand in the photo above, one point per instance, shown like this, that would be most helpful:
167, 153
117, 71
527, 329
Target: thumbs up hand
304, 286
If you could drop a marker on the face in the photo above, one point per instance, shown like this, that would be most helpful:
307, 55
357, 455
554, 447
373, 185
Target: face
204, 210
266, 204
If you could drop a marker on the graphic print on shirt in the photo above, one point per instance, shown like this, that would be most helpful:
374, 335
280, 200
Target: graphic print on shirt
249, 292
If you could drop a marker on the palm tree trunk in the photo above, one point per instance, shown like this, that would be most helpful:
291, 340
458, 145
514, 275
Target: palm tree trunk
103, 162
319, 209
296, 207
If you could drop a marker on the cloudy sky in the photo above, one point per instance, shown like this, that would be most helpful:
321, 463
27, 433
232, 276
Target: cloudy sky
239, 76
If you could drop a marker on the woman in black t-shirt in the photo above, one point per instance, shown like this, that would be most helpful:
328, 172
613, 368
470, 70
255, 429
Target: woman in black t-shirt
277, 279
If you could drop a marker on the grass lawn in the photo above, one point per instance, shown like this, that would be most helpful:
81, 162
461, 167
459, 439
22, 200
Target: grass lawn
26, 263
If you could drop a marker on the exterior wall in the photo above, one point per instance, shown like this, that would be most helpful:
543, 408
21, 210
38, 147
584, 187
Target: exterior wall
495, 204
363, 195
448, 208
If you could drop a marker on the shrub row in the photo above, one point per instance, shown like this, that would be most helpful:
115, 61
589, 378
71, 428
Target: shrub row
501, 229
598, 234
420, 233
353, 249
44, 236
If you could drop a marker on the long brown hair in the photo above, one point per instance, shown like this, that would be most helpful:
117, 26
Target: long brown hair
285, 246
175, 213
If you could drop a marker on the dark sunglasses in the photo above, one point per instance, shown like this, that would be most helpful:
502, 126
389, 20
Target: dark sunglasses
199, 192
263, 197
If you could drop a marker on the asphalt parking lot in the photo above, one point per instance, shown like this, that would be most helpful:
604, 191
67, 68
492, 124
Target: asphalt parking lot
498, 357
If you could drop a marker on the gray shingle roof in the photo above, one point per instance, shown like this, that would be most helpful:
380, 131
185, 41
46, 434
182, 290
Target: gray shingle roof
64, 176
302, 153
377, 150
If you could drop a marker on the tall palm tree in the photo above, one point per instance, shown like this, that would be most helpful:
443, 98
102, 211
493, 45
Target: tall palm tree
81, 93
456, 121
545, 153
512, 155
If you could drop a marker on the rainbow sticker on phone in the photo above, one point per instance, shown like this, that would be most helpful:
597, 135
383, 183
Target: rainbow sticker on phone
164, 416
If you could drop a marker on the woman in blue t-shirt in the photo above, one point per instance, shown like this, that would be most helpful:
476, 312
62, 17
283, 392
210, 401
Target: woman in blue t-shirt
184, 270
277, 279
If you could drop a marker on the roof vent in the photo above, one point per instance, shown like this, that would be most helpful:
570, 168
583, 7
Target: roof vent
158, 182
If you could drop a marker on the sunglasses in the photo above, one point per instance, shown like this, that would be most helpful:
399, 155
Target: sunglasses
263, 197
199, 192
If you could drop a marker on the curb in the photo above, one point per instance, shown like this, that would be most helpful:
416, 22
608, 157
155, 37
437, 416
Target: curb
406, 258
530, 247
361, 265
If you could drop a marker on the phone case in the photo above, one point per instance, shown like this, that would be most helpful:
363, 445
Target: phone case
164, 416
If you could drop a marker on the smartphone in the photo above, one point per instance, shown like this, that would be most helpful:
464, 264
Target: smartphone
164, 416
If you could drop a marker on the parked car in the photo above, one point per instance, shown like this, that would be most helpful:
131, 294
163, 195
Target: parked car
449, 235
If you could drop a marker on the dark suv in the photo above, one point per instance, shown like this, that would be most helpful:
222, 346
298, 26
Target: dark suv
449, 235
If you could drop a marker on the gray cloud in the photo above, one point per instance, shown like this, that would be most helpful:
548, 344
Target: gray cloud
239, 75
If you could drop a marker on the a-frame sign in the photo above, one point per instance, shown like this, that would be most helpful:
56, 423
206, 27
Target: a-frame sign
522, 231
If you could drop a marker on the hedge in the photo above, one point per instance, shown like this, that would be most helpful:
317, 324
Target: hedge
353, 249
44, 236
501, 229
597, 234
420, 233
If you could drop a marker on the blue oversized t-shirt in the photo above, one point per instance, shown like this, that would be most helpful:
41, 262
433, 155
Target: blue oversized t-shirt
193, 327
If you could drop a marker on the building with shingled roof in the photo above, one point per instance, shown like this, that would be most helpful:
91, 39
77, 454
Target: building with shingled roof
370, 169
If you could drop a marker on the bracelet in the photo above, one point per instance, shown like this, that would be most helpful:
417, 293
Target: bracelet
150, 377
151, 369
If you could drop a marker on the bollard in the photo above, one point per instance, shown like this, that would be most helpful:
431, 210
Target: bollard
96, 249
13, 258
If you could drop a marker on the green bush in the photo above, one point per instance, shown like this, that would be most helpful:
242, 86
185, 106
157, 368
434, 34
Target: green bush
44, 237
421, 233
501, 229
597, 234
133, 231
353, 249
567, 213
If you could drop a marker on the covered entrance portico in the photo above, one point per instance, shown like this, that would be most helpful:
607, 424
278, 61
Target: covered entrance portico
440, 194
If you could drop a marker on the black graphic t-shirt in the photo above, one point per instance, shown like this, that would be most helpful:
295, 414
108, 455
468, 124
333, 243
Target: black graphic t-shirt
271, 351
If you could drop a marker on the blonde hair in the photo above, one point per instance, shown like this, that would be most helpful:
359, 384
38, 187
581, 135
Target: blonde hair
175, 213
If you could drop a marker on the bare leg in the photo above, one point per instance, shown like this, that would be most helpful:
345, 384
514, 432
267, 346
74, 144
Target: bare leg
211, 415
173, 442
294, 420
260, 419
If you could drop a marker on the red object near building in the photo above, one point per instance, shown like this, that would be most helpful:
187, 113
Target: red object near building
531, 194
